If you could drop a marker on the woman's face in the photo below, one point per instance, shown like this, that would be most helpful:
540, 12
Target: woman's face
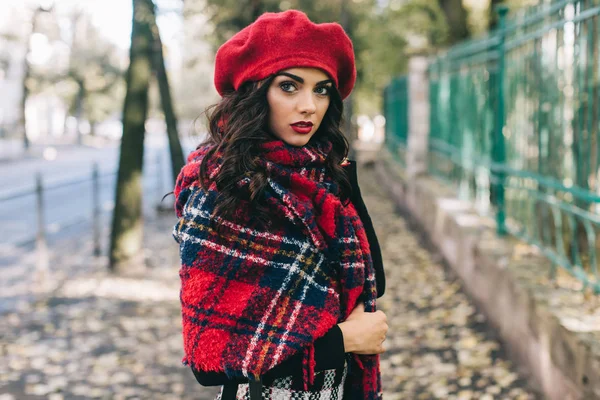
298, 100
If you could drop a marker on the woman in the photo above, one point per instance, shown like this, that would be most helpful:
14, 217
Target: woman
280, 264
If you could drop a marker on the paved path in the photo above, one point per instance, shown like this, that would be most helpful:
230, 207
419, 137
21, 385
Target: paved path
116, 338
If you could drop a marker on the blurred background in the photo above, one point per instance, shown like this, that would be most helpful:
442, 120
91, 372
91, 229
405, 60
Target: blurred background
70, 74
100, 103
63, 62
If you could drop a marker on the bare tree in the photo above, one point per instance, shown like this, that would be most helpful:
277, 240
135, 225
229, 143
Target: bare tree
27, 73
92, 71
177, 158
456, 15
127, 223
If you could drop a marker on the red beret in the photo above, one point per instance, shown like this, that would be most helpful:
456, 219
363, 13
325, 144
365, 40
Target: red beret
277, 41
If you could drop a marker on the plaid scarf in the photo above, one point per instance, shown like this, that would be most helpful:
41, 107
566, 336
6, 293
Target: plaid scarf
252, 297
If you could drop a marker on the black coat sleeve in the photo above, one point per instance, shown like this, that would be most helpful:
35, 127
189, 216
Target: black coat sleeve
329, 354
361, 208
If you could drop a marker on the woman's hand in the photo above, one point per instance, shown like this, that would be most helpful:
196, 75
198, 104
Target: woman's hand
364, 332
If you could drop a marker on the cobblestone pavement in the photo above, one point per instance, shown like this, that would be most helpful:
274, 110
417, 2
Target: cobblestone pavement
119, 338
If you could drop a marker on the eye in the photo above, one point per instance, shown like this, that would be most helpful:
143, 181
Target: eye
322, 90
287, 86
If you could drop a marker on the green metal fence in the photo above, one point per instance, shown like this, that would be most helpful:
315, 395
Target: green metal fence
395, 103
515, 125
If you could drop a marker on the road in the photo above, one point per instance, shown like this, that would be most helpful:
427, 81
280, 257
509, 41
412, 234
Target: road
67, 210
67, 182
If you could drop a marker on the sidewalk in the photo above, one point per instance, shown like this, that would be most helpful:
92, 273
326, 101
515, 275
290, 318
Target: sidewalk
98, 336
120, 338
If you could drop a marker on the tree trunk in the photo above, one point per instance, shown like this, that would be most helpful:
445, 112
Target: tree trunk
26, 78
456, 16
79, 99
78, 78
177, 158
22, 119
127, 223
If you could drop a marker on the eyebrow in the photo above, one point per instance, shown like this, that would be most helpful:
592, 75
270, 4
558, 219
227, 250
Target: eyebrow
297, 78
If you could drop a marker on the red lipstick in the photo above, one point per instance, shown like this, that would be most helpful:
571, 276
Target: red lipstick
302, 127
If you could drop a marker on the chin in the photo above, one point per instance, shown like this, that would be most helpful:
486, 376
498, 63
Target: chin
297, 140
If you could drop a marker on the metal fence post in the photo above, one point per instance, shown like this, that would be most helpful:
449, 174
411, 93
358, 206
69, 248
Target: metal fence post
40, 242
96, 209
498, 150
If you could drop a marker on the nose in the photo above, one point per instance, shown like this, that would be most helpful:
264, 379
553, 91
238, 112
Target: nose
306, 103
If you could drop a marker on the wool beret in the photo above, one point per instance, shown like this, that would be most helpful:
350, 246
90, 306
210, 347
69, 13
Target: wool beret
278, 41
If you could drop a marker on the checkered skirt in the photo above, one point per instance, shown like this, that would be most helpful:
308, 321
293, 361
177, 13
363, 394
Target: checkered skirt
329, 385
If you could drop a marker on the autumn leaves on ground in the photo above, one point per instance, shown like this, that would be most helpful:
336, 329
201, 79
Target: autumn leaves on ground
99, 336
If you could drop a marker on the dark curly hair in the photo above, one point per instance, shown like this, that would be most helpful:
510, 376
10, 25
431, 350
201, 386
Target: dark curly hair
238, 124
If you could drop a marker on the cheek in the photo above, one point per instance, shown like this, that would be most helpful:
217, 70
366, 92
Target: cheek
323, 110
278, 113
276, 116
273, 109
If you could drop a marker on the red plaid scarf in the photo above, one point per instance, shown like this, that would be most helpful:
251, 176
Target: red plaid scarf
251, 297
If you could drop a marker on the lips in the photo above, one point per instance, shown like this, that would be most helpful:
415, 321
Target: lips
302, 127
